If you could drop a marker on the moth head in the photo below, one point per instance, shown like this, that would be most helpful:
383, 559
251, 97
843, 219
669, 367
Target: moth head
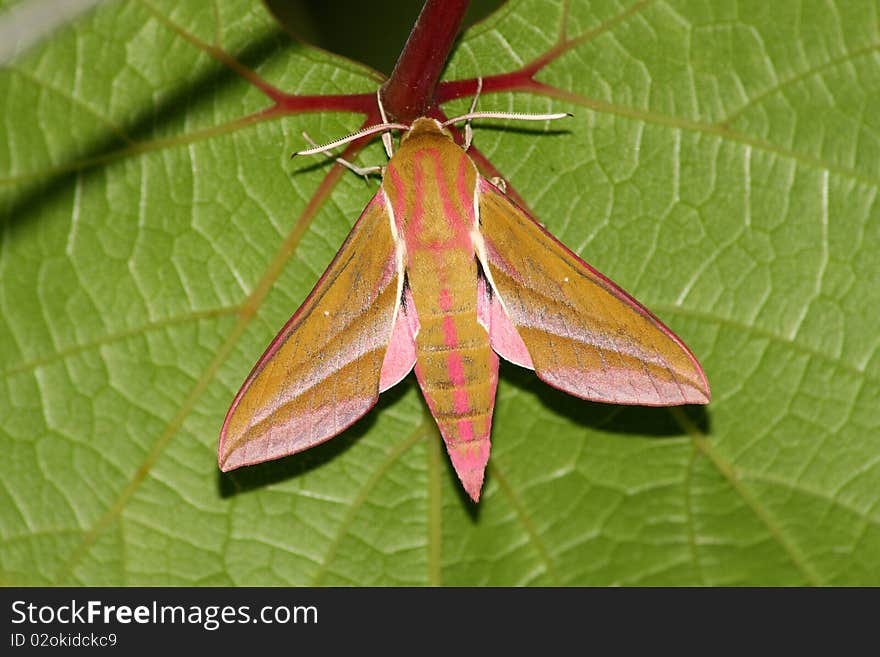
425, 126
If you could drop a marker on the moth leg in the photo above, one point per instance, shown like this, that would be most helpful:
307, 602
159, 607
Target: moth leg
500, 183
364, 172
468, 130
386, 137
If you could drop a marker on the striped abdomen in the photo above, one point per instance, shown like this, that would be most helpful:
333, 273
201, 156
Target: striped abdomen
457, 371
430, 184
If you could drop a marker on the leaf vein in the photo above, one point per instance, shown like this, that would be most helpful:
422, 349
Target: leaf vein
733, 478
523, 516
371, 482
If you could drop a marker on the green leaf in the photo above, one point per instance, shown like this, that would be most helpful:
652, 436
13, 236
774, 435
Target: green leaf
723, 166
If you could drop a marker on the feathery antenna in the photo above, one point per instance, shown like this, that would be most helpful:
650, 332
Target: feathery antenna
372, 130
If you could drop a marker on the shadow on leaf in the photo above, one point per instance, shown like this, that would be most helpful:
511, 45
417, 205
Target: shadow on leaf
37, 197
637, 420
519, 129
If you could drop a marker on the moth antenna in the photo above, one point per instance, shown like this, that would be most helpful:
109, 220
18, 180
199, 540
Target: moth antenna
364, 172
514, 116
372, 130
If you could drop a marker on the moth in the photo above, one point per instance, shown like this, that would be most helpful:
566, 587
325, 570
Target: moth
443, 273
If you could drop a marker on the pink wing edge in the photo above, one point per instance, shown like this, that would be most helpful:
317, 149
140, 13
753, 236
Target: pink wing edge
503, 335
401, 355
401, 347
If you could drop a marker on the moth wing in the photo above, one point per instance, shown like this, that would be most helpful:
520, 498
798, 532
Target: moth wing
322, 371
582, 333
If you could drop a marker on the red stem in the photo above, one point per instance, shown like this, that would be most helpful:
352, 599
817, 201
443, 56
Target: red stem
409, 92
